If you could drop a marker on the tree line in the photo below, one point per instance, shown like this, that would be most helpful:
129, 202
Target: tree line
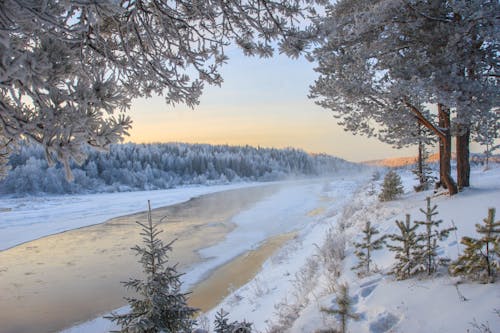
128, 167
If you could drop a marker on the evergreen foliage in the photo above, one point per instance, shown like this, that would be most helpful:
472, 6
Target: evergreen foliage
129, 167
431, 236
364, 250
408, 251
383, 63
344, 310
392, 187
222, 324
161, 306
480, 260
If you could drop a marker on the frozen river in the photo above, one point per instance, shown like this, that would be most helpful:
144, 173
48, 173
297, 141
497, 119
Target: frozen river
55, 281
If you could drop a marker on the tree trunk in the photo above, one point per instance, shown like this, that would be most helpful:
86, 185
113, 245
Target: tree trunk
420, 164
444, 135
445, 150
463, 163
420, 161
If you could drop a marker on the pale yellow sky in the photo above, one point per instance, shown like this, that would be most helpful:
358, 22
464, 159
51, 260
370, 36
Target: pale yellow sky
261, 102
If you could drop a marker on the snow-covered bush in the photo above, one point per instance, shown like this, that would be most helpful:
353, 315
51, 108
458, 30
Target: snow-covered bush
392, 187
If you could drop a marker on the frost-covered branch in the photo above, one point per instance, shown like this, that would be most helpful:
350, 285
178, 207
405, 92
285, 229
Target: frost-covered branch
69, 69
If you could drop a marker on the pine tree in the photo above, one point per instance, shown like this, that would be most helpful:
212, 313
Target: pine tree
221, 322
364, 249
161, 306
431, 236
480, 258
243, 327
408, 250
392, 187
344, 309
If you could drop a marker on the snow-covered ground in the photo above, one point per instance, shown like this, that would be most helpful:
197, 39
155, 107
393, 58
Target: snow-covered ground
295, 282
293, 286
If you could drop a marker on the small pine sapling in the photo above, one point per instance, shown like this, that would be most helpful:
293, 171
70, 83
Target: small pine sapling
161, 307
221, 322
364, 250
480, 260
344, 310
431, 236
392, 187
408, 250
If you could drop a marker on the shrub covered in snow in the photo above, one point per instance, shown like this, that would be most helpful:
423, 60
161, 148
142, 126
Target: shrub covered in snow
392, 187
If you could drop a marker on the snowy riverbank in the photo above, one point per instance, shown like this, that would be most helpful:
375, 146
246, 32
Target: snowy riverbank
288, 294
295, 283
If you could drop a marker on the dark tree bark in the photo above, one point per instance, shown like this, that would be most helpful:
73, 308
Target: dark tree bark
463, 163
445, 150
420, 163
444, 134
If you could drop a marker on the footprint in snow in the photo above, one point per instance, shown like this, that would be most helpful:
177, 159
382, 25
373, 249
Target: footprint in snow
365, 292
366, 288
383, 322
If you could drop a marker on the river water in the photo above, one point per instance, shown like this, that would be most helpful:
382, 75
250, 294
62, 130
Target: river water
56, 281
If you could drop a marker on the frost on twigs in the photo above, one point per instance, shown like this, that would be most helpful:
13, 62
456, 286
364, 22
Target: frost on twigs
69, 69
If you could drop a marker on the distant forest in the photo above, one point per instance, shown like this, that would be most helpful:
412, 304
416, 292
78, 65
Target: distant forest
131, 167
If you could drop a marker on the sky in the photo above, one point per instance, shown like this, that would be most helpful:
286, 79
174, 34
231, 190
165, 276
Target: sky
262, 102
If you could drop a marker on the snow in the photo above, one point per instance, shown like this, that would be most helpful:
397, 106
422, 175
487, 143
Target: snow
294, 284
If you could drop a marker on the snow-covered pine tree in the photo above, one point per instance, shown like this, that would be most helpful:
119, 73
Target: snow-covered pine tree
243, 327
364, 249
408, 251
344, 310
377, 82
431, 236
221, 322
160, 305
480, 260
392, 187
